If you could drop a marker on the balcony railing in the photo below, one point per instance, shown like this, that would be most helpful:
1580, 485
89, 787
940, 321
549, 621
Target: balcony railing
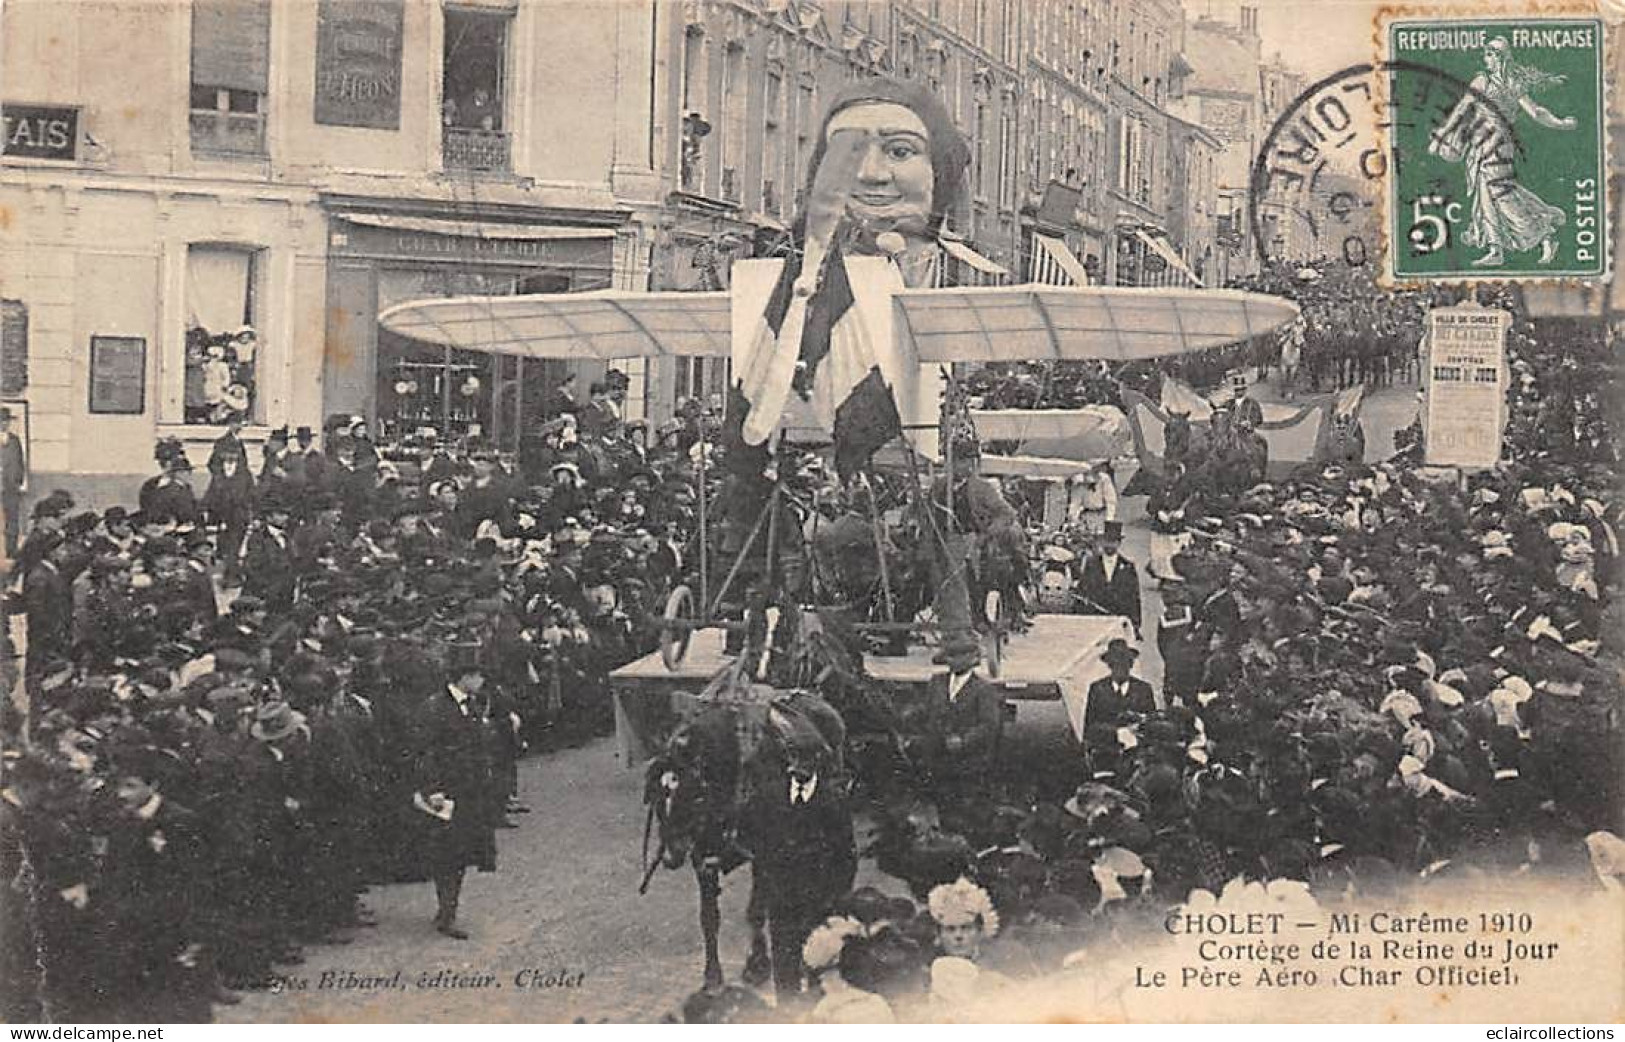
228, 133
466, 148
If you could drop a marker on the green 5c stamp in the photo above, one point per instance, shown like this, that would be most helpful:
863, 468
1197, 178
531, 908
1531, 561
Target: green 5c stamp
1496, 153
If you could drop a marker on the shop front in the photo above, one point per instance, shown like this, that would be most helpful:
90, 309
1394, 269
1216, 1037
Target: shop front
408, 389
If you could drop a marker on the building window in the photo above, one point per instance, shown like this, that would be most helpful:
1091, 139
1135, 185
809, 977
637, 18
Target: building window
978, 164
231, 43
733, 120
701, 380
806, 130
1009, 38
773, 143
474, 90
1009, 160
693, 70
695, 126
222, 338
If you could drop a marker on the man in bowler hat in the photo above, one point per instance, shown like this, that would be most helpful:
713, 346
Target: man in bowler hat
454, 786
1115, 700
805, 850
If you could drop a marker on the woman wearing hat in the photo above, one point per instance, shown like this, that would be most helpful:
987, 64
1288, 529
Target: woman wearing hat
230, 496
966, 921
1092, 498
846, 959
168, 495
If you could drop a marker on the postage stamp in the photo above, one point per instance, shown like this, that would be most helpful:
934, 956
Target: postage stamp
1496, 152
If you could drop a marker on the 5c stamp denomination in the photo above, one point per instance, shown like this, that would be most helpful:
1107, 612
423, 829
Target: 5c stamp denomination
1506, 177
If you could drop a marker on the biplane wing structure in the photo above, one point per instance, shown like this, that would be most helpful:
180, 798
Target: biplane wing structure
970, 324
604, 324
922, 330
1075, 323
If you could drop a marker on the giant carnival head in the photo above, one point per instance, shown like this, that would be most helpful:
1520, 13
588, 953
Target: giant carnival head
890, 152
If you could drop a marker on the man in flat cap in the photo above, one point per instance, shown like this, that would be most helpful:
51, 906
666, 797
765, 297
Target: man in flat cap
960, 725
48, 602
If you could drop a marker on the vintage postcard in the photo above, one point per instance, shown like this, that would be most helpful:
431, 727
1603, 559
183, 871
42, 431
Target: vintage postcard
811, 511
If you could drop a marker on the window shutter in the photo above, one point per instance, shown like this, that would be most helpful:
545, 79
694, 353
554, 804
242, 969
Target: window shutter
13, 348
231, 44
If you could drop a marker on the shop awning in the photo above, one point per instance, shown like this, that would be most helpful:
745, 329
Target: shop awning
474, 229
1055, 264
607, 324
959, 251
1158, 245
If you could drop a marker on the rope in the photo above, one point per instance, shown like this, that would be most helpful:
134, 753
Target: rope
649, 867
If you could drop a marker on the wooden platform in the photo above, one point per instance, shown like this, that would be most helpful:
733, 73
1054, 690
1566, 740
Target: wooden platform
1058, 658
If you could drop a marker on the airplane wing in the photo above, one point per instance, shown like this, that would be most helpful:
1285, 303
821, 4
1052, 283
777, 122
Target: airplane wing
1117, 323
604, 324
964, 324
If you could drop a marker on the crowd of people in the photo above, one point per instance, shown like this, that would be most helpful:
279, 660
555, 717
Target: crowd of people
1376, 678
1351, 331
237, 712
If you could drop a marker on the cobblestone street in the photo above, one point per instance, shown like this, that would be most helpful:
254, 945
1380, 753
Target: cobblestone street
563, 902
